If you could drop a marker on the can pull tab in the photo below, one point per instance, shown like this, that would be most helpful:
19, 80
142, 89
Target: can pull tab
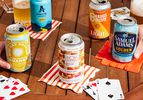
128, 20
102, 1
20, 29
69, 40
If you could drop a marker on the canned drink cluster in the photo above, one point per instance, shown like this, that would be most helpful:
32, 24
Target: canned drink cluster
71, 45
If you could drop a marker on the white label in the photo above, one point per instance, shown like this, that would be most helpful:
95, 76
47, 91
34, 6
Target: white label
72, 60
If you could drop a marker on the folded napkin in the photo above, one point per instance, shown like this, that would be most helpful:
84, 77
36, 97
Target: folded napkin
43, 34
51, 77
106, 59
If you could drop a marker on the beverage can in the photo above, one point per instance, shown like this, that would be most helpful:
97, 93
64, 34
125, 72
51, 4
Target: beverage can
71, 58
99, 19
41, 17
125, 39
17, 44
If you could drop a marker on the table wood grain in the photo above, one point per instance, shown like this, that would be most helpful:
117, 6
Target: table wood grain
74, 15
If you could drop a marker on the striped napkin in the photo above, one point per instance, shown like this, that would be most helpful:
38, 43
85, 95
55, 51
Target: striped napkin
51, 78
43, 35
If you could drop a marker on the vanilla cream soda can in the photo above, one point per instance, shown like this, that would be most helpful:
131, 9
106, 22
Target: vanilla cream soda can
17, 44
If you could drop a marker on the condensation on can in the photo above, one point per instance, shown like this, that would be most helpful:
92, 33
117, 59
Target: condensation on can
17, 44
99, 19
125, 38
71, 58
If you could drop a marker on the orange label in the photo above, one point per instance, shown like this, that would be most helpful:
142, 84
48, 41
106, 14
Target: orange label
99, 23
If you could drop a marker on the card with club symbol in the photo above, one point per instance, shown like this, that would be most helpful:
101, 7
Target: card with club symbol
104, 89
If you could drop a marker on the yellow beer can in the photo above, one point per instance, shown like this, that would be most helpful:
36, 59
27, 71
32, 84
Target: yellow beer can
17, 44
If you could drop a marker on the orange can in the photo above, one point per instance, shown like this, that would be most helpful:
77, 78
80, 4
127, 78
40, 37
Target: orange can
99, 19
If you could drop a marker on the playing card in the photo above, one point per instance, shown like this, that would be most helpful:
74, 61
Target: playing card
16, 81
120, 13
12, 88
3, 79
109, 89
91, 89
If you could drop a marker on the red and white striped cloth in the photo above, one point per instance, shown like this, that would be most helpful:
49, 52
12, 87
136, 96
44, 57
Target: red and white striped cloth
51, 78
43, 35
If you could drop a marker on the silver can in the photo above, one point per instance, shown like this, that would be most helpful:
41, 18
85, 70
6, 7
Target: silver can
125, 39
71, 58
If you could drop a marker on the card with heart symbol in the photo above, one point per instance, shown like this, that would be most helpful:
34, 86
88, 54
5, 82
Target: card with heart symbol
91, 89
11, 88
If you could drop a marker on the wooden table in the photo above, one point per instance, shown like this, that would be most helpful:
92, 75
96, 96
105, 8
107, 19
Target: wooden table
74, 15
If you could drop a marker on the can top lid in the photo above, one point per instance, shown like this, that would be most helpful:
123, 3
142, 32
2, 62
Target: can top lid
71, 39
127, 21
100, 1
15, 29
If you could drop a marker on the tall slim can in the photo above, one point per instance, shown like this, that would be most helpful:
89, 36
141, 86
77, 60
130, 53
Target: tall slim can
41, 16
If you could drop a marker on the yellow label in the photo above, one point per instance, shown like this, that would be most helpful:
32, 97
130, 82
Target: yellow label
18, 54
42, 19
99, 23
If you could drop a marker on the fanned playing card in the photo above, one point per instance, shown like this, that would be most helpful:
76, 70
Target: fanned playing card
109, 89
3, 79
120, 13
91, 89
104, 89
11, 88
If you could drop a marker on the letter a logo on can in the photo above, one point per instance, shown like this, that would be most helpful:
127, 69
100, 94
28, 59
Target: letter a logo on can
41, 9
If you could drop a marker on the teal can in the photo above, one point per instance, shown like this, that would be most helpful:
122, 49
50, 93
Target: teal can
41, 15
125, 39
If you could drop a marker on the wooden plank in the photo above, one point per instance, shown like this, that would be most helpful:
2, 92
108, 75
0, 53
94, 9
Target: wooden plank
45, 52
5, 20
69, 23
115, 73
9, 3
108, 71
134, 79
127, 3
95, 47
82, 29
116, 3
37, 71
34, 45
52, 97
1, 11
135, 94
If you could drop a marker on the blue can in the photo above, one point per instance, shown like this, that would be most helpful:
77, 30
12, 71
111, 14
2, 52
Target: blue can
125, 38
41, 16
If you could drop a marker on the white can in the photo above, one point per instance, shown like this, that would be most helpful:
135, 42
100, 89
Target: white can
71, 58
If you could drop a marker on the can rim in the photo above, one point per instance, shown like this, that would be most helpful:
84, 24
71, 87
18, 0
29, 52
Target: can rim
122, 21
99, 6
15, 33
68, 34
100, 3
